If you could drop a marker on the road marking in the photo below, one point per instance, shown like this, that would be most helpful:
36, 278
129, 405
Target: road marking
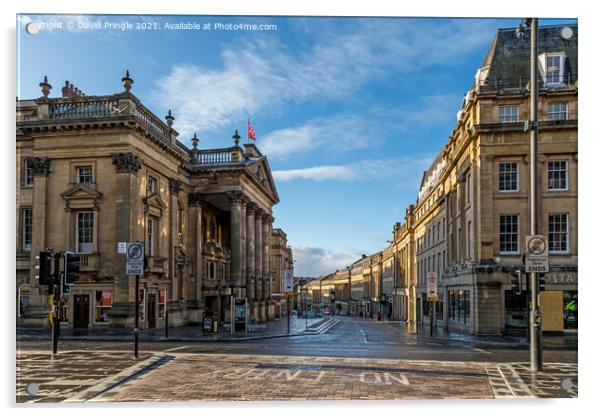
177, 348
363, 336
480, 350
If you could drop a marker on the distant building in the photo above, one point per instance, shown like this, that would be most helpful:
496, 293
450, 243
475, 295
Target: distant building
282, 259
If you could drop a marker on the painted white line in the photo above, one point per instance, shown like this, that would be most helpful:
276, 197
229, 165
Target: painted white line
480, 350
177, 348
363, 336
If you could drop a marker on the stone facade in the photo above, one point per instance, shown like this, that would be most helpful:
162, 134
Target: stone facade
281, 259
471, 217
93, 171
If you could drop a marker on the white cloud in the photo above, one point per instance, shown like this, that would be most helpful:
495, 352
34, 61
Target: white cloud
262, 74
397, 170
316, 261
342, 132
348, 131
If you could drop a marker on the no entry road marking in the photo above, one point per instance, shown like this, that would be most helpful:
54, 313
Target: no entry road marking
363, 336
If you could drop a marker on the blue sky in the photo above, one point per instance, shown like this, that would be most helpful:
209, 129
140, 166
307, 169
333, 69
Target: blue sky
349, 111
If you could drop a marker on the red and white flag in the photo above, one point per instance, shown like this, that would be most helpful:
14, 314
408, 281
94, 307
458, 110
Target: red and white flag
250, 131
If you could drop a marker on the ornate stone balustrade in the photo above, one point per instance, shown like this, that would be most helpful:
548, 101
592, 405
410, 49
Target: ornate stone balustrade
213, 156
83, 108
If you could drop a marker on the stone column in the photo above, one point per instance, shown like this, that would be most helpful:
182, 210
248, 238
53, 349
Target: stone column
267, 265
127, 228
258, 261
235, 239
37, 313
195, 205
174, 188
265, 240
250, 256
243, 247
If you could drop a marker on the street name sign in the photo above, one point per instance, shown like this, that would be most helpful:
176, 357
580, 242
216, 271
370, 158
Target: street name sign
431, 286
135, 259
536, 256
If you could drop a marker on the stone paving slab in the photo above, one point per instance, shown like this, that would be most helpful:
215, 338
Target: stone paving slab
75, 375
208, 377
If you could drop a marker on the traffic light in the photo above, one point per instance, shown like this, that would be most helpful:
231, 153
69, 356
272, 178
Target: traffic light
71, 267
516, 281
542, 282
44, 268
65, 288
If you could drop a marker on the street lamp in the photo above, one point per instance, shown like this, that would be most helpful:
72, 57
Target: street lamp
532, 126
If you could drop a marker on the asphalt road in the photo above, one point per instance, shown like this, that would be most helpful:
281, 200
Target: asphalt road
350, 338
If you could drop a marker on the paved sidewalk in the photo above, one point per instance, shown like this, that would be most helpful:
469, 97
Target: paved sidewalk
273, 329
562, 342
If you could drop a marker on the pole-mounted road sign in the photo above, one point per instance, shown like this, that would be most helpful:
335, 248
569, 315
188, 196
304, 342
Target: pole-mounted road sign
135, 259
536, 256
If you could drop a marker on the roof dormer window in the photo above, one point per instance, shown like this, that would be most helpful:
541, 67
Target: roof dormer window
552, 68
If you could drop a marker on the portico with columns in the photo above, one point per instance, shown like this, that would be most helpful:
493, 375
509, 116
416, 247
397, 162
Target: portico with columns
239, 191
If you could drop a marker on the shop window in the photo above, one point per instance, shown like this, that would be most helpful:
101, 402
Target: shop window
459, 306
515, 306
439, 308
104, 301
570, 309
162, 302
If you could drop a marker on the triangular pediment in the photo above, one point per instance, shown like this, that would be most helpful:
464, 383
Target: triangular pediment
81, 196
262, 174
81, 191
154, 204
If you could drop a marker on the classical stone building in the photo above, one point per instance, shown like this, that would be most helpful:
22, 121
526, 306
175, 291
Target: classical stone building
282, 259
93, 171
477, 192
471, 217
